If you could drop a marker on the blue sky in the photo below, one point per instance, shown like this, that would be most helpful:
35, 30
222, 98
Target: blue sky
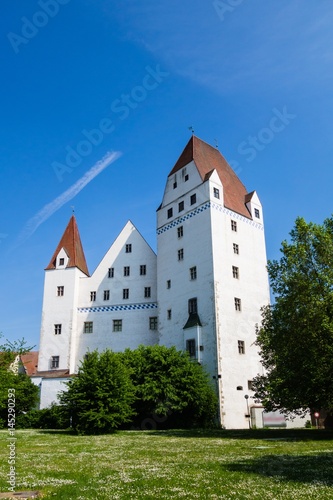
96, 103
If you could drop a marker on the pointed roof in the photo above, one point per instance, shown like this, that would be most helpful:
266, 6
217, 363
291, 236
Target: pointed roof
71, 243
208, 158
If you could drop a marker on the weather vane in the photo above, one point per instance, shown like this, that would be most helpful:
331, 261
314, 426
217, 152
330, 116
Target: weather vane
72, 207
216, 143
191, 129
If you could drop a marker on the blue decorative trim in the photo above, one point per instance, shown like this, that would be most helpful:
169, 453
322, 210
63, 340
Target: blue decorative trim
119, 307
200, 209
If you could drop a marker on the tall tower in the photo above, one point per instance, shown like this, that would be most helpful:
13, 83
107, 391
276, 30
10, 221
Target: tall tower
60, 301
211, 274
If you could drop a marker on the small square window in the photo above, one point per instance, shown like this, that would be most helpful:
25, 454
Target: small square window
180, 232
186, 178
241, 346
170, 212
190, 347
147, 292
128, 248
88, 327
193, 199
236, 248
250, 385
153, 323
125, 293
193, 273
181, 254
61, 261
126, 271
117, 325
92, 296
234, 225
180, 206
174, 185
60, 291
106, 295
169, 314
193, 306
237, 304
54, 362
57, 329
111, 272
168, 283
216, 193
257, 213
143, 270
235, 272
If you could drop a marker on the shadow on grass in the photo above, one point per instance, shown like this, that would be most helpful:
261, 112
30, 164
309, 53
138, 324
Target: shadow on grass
298, 468
270, 434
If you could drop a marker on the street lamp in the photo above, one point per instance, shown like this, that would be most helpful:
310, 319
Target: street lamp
248, 412
316, 416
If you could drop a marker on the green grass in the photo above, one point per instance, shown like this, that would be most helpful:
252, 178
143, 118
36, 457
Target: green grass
262, 464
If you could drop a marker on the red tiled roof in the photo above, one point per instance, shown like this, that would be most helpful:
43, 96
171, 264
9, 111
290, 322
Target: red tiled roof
208, 158
53, 374
71, 242
30, 362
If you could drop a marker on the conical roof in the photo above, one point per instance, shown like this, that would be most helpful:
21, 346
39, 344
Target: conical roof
71, 243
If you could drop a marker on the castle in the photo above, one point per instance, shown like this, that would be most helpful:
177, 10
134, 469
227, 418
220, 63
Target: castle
202, 292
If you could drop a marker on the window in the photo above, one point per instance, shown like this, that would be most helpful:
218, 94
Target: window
126, 271
236, 248
181, 254
60, 291
169, 314
170, 212
186, 178
193, 273
57, 329
241, 347
111, 272
153, 323
117, 325
257, 213
106, 295
234, 225
237, 304
125, 293
216, 193
147, 292
192, 306
190, 347
168, 283
250, 385
128, 248
143, 270
88, 327
193, 199
183, 173
180, 231
61, 261
180, 206
235, 272
175, 185
92, 296
54, 362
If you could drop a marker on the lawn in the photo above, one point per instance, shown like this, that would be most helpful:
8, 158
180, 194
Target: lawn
262, 464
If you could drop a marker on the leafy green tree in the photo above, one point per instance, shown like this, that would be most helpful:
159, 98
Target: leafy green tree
26, 393
171, 390
99, 398
296, 334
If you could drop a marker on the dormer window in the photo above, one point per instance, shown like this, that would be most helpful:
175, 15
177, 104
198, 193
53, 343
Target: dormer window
257, 213
61, 261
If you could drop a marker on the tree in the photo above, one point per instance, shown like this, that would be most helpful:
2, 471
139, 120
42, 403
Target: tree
171, 390
26, 393
99, 398
296, 334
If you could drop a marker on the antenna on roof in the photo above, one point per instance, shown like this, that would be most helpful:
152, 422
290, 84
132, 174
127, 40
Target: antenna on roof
191, 129
216, 143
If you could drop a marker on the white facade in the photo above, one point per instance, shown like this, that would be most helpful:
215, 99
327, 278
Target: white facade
202, 292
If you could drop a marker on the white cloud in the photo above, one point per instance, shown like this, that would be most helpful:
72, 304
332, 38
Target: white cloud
66, 196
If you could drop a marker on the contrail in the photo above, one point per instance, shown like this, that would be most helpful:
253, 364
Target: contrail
69, 194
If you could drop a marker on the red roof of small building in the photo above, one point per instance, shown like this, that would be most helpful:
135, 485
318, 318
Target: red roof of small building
30, 362
71, 242
206, 159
